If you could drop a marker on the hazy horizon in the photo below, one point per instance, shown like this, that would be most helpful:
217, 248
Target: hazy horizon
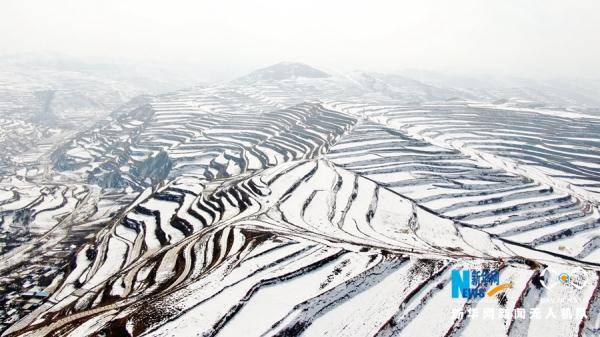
533, 39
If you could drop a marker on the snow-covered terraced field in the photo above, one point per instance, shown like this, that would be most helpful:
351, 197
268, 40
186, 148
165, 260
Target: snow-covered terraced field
41, 225
17, 136
550, 146
284, 205
203, 135
202, 258
461, 188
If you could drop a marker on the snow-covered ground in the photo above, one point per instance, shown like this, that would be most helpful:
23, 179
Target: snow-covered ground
293, 201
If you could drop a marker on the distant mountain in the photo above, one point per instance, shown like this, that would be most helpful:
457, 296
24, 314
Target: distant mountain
65, 90
565, 92
404, 88
282, 71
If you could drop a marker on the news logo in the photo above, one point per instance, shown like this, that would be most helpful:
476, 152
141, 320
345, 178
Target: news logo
477, 283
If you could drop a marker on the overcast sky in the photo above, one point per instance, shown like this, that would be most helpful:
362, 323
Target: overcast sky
506, 37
